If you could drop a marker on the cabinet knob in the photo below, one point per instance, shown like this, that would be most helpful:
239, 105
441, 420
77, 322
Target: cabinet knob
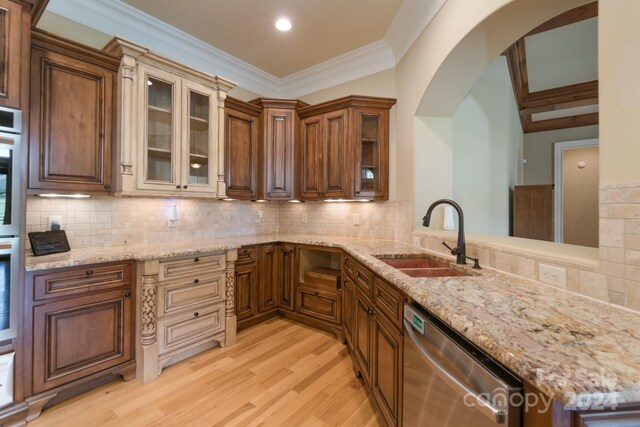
196, 280
316, 293
89, 272
107, 186
178, 187
196, 259
196, 314
127, 294
185, 186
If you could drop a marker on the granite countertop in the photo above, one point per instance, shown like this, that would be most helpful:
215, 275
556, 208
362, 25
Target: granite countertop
567, 345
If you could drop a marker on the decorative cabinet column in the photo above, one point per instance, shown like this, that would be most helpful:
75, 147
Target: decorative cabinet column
147, 367
170, 128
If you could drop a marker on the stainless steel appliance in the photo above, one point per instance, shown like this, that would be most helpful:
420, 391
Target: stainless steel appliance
448, 382
10, 190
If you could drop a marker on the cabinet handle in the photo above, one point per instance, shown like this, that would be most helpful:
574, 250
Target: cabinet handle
196, 314
127, 294
89, 272
178, 187
107, 186
185, 186
196, 280
316, 293
196, 259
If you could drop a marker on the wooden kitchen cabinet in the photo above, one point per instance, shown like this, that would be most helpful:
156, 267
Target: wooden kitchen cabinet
268, 278
172, 124
344, 149
80, 324
12, 38
386, 369
241, 149
287, 276
363, 317
72, 121
348, 310
246, 294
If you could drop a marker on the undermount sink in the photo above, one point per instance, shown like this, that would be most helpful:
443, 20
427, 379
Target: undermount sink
422, 266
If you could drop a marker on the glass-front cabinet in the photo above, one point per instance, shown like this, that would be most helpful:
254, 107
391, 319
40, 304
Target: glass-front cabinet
170, 142
371, 153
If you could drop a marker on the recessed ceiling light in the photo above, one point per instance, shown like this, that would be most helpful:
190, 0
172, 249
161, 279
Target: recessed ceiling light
283, 24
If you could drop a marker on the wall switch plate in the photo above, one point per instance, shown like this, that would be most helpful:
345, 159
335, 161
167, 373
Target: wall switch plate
55, 221
356, 219
259, 216
556, 276
305, 218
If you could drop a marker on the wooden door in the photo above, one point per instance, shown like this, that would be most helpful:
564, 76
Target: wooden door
370, 145
362, 332
348, 309
286, 276
279, 153
386, 372
311, 174
81, 336
10, 53
335, 154
72, 121
246, 292
241, 150
268, 265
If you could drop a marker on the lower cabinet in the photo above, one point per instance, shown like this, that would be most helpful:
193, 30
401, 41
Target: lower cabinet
386, 375
268, 277
246, 291
318, 303
348, 309
286, 276
79, 325
363, 330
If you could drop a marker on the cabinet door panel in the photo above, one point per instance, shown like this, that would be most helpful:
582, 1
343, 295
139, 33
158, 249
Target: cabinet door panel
335, 154
319, 304
371, 153
71, 123
386, 372
348, 309
10, 48
268, 279
190, 328
362, 331
279, 154
241, 145
80, 336
246, 292
311, 158
286, 277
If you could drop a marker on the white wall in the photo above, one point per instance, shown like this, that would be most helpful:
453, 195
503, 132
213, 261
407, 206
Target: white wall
487, 151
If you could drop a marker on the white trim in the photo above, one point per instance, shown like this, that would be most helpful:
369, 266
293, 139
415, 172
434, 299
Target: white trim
114, 17
409, 23
558, 152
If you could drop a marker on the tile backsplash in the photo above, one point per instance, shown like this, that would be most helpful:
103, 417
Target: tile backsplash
115, 221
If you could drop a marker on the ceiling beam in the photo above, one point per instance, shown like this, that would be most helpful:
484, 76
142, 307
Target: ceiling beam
557, 98
560, 123
572, 16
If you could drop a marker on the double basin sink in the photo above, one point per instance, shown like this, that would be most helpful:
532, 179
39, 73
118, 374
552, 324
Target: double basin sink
422, 265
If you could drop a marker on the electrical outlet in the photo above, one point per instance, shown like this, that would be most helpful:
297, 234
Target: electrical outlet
55, 220
259, 216
356, 219
556, 276
305, 218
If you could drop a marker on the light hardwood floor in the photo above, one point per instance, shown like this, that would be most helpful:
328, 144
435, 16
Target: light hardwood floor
278, 374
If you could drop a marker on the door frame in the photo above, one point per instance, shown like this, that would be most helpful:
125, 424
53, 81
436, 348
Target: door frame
558, 155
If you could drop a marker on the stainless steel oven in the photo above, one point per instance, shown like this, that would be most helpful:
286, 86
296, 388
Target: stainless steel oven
10, 141
448, 382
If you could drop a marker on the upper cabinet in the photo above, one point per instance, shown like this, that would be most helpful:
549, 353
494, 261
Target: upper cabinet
260, 148
344, 149
171, 126
13, 20
72, 120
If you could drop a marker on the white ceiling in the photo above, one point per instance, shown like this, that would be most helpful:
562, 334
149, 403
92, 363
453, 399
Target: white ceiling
332, 41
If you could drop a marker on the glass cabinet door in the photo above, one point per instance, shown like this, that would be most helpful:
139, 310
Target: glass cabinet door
199, 161
369, 154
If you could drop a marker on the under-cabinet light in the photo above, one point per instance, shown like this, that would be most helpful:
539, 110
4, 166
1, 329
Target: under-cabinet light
261, 201
228, 199
294, 201
283, 24
346, 200
64, 196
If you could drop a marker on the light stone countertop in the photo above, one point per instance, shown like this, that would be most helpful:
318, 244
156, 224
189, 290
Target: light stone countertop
567, 345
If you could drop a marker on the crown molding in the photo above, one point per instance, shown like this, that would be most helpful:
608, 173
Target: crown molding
409, 23
361, 62
115, 17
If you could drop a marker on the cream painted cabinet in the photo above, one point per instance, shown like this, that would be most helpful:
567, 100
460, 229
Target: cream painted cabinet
171, 126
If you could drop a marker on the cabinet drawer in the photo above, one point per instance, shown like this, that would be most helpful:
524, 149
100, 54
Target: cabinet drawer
389, 301
349, 266
191, 266
183, 294
319, 304
246, 255
190, 328
87, 279
364, 279
325, 278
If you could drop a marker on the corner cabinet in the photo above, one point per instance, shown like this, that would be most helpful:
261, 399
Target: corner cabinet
344, 149
170, 126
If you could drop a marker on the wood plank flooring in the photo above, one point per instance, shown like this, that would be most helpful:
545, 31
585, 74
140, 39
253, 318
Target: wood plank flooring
278, 374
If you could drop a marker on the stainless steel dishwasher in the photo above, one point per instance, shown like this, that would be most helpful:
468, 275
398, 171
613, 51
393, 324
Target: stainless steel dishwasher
448, 382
